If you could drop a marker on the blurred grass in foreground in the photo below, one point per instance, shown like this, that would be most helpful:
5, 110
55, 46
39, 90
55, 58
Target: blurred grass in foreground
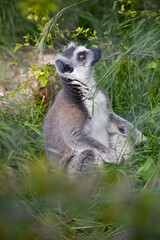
39, 202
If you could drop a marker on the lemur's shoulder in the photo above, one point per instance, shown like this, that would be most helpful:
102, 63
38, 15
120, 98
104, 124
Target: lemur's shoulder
66, 112
107, 100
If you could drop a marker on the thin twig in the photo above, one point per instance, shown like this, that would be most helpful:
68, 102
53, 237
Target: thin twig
132, 53
142, 54
115, 54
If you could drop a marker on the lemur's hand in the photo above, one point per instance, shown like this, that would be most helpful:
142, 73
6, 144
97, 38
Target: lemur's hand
109, 156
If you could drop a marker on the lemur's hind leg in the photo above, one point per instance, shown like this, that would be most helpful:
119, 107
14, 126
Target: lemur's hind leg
84, 163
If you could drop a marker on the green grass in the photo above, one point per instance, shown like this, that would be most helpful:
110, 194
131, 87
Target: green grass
38, 201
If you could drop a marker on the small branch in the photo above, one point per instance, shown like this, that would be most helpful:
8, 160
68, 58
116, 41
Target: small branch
132, 53
115, 54
142, 54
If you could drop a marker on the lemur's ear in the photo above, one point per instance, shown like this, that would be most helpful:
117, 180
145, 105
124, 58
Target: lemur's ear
63, 67
71, 44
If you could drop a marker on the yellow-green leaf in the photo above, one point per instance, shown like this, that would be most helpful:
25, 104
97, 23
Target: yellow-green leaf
152, 65
11, 63
36, 18
30, 16
94, 33
18, 46
122, 8
37, 75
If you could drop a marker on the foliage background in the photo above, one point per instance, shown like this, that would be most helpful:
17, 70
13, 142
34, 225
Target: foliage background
36, 200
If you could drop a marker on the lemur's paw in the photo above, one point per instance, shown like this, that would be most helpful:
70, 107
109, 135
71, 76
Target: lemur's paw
113, 157
109, 156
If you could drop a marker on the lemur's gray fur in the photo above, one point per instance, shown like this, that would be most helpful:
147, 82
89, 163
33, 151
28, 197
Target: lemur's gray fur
80, 128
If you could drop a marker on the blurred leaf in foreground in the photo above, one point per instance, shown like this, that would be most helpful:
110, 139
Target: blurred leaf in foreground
41, 7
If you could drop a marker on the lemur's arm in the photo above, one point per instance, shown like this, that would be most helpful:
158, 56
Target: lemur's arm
80, 141
77, 139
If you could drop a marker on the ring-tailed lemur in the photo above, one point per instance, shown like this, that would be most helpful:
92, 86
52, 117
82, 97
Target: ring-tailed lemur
76, 126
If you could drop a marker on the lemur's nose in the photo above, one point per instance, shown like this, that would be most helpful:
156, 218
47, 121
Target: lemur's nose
97, 55
141, 143
96, 50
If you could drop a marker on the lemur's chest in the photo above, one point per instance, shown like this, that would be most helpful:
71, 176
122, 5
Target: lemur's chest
97, 126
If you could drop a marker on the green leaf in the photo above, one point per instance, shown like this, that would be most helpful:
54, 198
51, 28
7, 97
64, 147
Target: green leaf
94, 33
50, 46
152, 65
11, 63
30, 16
37, 75
26, 38
26, 44
36, 130
18, 46
43, 81
94, 46
122, 8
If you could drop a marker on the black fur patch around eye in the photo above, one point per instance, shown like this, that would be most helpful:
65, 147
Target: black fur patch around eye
63, 67
84, 54
121, 129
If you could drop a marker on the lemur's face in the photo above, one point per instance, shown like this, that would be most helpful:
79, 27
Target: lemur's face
122, 137
77, 62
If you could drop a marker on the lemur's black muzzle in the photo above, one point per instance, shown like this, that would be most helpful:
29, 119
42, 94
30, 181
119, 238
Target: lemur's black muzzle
96, 55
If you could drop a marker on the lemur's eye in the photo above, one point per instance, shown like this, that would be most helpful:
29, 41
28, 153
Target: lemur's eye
121, 130
82, 55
